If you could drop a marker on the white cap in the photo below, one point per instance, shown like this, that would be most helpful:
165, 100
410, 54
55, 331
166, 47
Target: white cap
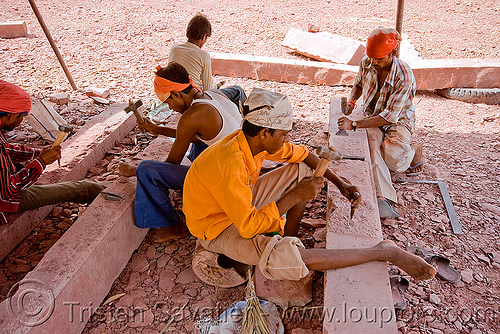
269, 109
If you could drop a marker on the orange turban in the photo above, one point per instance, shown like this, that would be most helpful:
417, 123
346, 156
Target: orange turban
13, 99
163, 86
381, 42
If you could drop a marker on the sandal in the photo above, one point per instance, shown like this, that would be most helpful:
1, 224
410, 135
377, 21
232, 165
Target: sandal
412, 168
385, 209
399, 285
442, 264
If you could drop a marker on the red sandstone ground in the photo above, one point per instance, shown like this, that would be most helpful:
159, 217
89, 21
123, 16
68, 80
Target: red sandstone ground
118, 44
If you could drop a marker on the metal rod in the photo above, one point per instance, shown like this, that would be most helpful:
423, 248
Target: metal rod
353, 157
455, 224
52, 44
416, 181
450, 209
399, 18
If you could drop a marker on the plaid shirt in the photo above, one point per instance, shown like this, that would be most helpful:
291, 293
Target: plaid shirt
396, 95
12, 182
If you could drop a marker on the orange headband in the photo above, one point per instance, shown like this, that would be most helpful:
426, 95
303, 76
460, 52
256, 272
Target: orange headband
381, 42
164, 87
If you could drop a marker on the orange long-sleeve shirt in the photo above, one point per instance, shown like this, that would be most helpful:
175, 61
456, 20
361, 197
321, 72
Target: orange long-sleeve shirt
218, 189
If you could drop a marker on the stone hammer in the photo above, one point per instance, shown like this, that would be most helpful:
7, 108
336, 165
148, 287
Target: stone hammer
343, 107
63, 131
134, 106
326, 154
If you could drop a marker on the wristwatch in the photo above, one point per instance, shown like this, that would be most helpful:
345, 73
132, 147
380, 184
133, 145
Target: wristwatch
354, 124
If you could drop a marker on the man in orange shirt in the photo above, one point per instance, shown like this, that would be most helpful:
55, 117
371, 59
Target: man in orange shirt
232, 211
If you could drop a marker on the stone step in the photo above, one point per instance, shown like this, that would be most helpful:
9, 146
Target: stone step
430, 74
80, 152
76, 274
357, 299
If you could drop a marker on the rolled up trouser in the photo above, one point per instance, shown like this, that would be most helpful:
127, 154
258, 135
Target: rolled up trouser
277, 257
36, 196
389, 151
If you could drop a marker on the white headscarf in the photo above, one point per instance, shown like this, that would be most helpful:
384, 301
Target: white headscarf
269, 109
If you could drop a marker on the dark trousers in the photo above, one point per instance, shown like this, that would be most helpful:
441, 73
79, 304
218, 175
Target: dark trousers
235, 94
36, 196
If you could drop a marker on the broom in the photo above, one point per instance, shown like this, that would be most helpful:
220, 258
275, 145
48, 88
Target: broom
254, 321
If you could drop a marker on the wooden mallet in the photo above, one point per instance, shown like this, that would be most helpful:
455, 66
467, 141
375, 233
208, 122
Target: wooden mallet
63, 131
326, 154
134, 106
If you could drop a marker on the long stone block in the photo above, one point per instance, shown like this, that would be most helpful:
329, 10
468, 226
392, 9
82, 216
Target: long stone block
325, 46
90, 144
360, 295
13, 29
430, 74
79, 153
433, 74
76, 274
80, 268
282, 70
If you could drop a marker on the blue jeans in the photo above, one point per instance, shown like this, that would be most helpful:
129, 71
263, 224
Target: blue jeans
152, 206
196, 149
235, 93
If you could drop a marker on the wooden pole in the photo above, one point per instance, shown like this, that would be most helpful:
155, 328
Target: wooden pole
52, 44
399, 18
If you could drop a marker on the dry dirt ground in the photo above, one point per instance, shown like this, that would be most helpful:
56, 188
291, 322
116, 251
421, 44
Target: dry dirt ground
118, 44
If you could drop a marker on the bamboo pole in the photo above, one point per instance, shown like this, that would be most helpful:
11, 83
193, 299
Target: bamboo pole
399, 18
52, 44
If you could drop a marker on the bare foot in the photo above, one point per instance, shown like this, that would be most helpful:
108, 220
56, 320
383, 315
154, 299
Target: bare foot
176, 231
413, 265
416, 165
126, 169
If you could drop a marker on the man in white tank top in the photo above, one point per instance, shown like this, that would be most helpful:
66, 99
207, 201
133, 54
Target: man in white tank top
206, 118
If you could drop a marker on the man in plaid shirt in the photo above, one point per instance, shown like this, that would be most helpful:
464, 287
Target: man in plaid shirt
388, 87
17, 192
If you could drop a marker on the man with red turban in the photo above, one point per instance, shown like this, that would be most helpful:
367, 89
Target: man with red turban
388, 87
17, 192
